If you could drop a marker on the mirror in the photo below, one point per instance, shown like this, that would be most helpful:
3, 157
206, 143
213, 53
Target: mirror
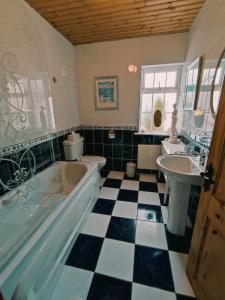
217, 84
157, 118
192, 84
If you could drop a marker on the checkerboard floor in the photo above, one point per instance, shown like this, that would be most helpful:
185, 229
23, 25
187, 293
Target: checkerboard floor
124, 250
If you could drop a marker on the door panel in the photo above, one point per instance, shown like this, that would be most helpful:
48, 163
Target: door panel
206, 264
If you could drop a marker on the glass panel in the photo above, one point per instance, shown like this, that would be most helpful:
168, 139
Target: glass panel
170, 99
171, 79
149, 80
167, 121
160, 80
146, 121
190, 77
158, 97
146, 103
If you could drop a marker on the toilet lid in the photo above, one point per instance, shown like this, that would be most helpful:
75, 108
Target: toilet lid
93, 159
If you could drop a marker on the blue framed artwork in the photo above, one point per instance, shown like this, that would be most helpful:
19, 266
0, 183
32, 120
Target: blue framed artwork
106, 93
192, 85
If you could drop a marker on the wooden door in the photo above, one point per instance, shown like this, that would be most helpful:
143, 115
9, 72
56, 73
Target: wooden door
206, 264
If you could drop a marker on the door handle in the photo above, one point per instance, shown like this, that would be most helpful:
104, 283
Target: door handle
207, 175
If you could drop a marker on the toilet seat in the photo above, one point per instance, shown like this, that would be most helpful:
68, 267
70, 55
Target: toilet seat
101, 161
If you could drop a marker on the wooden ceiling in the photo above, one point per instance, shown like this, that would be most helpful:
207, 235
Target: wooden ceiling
89, 21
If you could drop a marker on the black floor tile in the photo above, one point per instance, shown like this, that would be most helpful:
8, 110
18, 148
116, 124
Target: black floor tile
179, 243
113, 183
122, 229
151, 213
161, 197
108, 288
152, 268
128, 195
148, 186
104, 173
85, 252
104, 206
182, 297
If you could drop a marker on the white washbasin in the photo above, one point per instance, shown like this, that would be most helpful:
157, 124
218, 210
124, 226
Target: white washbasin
180, 167
182, 171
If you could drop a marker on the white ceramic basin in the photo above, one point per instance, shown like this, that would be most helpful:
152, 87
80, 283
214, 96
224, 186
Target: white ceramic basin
180, 167
182, 171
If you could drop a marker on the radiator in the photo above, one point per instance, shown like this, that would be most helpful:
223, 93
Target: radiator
147, 155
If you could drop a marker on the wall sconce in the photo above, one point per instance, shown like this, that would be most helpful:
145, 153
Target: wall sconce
132, 68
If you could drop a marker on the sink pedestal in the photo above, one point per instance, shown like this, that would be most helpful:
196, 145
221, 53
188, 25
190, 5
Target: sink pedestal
178, 206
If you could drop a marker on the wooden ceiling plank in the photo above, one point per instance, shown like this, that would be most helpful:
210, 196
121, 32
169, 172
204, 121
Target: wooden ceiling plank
130, 35
148, 27
122, 7
88, 21
131, 26
85, 17
141, 19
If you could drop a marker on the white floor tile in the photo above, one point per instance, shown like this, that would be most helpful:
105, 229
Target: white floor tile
116, 259
148, 198
164, 210
116, 175
109, 193
73, 284
130, 185
151, 234
147, 177
102, 180
142, 292
97, 225
178, 263
125, 209
161, 187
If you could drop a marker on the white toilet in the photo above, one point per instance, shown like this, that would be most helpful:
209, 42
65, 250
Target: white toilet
74, 150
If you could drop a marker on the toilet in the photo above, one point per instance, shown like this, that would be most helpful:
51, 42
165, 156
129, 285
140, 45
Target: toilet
74, 151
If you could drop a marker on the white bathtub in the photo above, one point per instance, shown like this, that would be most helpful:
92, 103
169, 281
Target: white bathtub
37, 231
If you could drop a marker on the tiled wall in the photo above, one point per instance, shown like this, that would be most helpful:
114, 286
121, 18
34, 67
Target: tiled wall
117, 151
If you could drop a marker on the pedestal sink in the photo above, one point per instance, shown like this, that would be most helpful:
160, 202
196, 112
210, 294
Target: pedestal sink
182, 172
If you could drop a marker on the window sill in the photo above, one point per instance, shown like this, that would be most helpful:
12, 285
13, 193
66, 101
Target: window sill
152, 133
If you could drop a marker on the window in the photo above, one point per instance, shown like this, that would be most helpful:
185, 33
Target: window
159, 91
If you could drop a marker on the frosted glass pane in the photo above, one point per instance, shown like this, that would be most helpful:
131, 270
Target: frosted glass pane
195, 75
170, 100
146, 103
146, 122
167, 121
218, 76
158, 97
171, 79
149, 80
160, 80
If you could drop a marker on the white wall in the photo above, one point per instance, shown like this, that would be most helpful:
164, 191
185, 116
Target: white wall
207, 35
60, 56
113, 58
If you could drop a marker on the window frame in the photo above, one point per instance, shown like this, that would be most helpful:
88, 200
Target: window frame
178, 67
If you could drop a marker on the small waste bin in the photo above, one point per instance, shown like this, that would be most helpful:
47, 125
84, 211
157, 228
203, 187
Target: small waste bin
131, 168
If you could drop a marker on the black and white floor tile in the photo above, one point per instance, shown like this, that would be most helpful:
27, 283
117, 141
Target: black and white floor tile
124, 250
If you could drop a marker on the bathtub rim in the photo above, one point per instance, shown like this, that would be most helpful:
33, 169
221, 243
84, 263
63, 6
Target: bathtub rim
12, 262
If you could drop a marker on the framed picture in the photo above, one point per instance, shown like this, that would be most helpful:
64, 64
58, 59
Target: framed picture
192, 85
106, 93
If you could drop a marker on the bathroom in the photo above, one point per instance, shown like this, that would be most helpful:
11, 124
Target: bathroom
112, 149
